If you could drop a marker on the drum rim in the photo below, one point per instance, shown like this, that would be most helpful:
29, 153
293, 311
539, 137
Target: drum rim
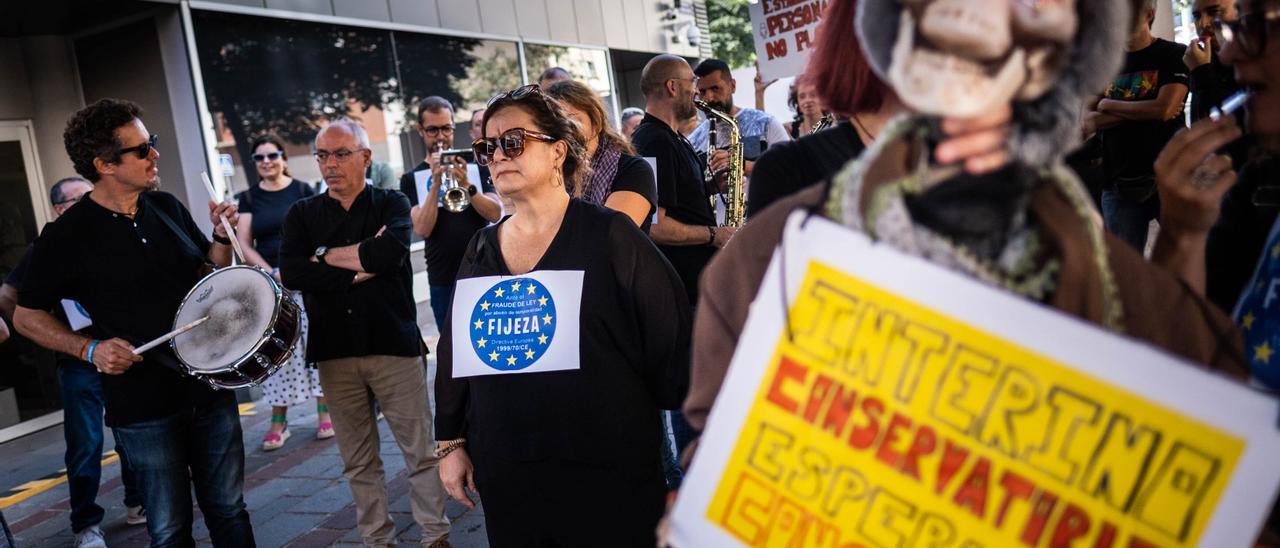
275, 316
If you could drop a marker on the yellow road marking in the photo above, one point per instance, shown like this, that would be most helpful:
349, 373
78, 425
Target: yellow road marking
247, 409
35, 487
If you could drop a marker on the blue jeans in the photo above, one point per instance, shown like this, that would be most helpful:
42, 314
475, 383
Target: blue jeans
1129, 217
441, 297
204, 447
674, 442
82, 430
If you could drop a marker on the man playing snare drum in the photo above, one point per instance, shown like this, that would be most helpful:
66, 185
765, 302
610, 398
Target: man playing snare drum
129, 256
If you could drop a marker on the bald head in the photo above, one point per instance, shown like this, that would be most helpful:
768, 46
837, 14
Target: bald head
662, 69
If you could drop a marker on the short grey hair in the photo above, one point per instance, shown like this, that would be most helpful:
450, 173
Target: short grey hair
631, 112
353, 127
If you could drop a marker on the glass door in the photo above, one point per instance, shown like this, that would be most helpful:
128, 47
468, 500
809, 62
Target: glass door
28, 374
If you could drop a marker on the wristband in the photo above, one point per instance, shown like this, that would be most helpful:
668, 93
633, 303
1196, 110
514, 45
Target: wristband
221, 239
443, 448
80, 353
711, 235
93, 345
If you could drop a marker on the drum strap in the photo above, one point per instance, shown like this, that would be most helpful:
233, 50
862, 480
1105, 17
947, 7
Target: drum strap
181, 234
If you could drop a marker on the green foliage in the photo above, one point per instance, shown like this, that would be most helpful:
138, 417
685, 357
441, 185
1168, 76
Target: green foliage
731, 38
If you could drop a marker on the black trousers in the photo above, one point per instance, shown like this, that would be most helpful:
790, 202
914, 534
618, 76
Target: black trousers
563, 504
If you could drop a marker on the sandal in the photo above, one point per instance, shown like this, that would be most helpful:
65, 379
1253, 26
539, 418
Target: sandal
324, 430
272, 440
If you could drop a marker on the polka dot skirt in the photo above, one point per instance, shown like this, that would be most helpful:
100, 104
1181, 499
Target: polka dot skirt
294, 383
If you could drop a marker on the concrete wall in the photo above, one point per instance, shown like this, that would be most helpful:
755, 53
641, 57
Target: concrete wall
40, 67
624, 24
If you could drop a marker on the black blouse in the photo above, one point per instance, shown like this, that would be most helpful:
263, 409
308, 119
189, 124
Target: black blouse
634, 352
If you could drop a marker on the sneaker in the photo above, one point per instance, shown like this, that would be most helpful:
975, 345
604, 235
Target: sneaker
91, 538
136, 515
442, 542
324, 431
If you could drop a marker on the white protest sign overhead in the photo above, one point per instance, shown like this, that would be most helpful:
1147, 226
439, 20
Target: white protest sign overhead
784, 32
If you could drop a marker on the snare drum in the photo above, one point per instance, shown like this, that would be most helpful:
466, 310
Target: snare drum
251, 332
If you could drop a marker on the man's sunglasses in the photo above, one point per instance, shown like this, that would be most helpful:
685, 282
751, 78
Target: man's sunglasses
514, 95
1249, 32
511, 142
143, 150
268, 157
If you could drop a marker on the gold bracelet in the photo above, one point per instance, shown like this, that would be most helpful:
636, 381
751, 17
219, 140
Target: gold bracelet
443, 448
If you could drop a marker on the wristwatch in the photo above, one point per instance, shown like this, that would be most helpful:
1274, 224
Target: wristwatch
320, 252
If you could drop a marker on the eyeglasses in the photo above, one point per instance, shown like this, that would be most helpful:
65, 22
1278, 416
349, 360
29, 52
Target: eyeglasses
143, 150
511, 142
268, 157
434, 131
692, 80
342, 155
1249, 32
514, 95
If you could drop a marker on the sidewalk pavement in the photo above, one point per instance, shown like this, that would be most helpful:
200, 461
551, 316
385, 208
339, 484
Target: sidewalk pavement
296, 495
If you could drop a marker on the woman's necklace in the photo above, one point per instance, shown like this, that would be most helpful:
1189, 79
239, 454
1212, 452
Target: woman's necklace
863, 129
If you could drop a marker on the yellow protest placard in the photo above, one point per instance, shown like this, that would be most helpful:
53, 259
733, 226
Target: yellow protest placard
877, 419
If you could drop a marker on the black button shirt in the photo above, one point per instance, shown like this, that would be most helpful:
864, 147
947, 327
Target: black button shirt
375, 317
130, 275
452, 230
681, 192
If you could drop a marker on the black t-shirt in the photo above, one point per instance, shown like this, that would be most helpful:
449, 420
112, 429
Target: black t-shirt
268, 209
681, 192
633, 354
452, 231
635, 175
787, 168
131, 277
1130, 149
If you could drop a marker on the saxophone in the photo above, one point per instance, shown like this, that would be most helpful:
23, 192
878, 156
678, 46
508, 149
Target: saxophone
736, 201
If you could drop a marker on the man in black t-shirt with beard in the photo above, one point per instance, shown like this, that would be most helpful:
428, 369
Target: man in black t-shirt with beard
446, 233
1139, 112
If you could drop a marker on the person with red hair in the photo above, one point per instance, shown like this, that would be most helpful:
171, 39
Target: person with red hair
845, 83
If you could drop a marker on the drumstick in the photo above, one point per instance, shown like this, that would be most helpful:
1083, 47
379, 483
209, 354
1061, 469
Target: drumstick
165, 338
226, 225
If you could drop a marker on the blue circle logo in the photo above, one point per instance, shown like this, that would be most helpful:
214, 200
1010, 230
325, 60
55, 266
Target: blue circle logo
513, 324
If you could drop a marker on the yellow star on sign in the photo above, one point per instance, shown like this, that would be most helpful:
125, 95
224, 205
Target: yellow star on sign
546, 319
480, 343
1247, 320
542, 301
532, 288
542, 339
479, 324
498, 292
493, 356
1262, 353
511, 360
528, 354
484, 305
515, 286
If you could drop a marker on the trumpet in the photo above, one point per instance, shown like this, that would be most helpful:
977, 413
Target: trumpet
736, 201
456, 199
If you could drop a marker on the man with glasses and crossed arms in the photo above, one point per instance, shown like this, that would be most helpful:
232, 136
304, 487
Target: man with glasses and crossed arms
129, 255
445, 233
347, 250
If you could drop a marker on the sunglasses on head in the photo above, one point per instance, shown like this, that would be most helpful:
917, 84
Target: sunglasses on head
270, 156
1249, 32
511, 142
143, 150
514, 95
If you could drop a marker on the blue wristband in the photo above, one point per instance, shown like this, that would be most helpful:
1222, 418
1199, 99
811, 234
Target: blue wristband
92, 345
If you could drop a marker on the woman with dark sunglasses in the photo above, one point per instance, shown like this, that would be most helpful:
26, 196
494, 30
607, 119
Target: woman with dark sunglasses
262, 211
619, 179
581, 431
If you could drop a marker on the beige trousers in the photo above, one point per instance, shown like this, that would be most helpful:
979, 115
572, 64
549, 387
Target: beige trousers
399, 384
